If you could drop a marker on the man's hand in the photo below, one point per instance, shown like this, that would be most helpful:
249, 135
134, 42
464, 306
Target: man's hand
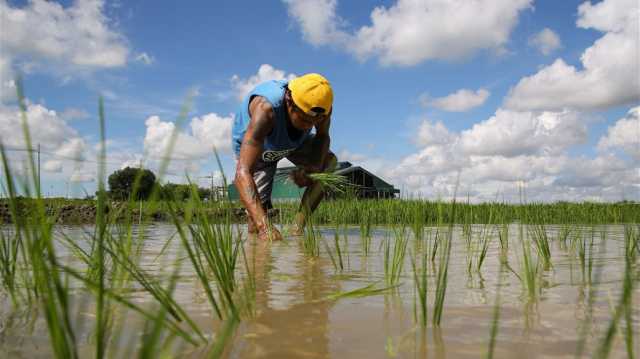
269, 233
300, 178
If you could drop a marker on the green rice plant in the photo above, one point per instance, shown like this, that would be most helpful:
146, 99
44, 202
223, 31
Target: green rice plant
541, 240
495, 319
624, 305
332, 182
365, 291
336, 258
564, 233
503, 237
442, 278
44, 283
421, 286
10, 244
365, 231
311, 241
632, 252
530, 270
584, 247
443, 266
418, 224
394, 255
477, 249
211, 249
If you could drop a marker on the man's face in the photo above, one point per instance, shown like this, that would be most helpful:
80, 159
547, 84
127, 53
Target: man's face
301, 120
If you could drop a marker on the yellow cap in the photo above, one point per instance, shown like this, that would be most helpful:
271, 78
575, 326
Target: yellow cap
310, 92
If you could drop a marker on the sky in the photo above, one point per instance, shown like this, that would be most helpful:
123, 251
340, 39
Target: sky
485, 100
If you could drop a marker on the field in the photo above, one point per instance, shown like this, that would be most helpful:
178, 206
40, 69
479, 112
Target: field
393, 278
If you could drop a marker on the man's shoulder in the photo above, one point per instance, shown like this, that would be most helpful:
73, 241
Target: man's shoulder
259, 107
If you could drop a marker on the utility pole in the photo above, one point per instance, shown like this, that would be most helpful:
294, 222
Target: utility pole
38, 189
211, 193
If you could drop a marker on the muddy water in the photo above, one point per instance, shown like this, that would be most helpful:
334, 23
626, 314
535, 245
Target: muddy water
294, 319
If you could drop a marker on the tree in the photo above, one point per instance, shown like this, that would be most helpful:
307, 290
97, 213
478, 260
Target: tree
121, 183
181, 192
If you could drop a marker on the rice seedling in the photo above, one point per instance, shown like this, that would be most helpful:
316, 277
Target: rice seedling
365, 232
331, 182
394, 255
418, 223
443, 269
625, 302
503, 237
495, 319
421, 287
361, 292
584, 246
311, 241
441, 280
541, 240
336, 258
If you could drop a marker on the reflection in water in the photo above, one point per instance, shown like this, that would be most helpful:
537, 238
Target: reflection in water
566, 318
291, 321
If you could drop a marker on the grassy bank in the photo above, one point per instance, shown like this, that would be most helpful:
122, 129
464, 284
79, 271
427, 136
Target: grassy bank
378, 212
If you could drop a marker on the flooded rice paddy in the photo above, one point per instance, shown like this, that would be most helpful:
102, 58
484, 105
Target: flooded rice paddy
301, 310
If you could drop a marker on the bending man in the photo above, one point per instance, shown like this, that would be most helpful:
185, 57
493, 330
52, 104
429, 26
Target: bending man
274, 122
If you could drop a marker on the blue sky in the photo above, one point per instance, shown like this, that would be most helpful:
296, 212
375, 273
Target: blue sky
502, 94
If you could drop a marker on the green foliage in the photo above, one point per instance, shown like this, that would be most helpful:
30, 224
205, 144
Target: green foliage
182, 192
121, 183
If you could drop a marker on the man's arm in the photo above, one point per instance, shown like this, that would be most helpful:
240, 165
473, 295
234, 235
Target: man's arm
323, 141
259, 127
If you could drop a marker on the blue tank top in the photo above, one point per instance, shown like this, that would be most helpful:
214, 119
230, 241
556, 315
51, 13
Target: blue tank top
278, 144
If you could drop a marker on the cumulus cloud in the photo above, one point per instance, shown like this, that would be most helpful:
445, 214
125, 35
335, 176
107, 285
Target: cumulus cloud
45, 125
204, 133
53, 166
511, 151
624, 134
608, 67
546, 41
318, 21
410, 31
509, 133
79, 34
430, 133
459, 101
265, 72
64, 39
63, 150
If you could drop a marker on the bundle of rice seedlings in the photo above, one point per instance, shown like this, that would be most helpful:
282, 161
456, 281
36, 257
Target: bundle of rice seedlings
333, 182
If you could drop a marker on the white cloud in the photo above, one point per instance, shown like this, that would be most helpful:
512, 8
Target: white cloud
318, 20
434, 134
63, 150
509, 133
546, 41
265, 72
625, 134
78, 34
609, 67
55, 39
145, 58
512, 149
205, 132
412, 31
459, 101
45, 126
81, 177
53, 166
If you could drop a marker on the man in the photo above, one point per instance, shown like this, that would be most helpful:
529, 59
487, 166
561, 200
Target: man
275, 122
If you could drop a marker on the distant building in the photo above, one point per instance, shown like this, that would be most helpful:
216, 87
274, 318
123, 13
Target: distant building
366, 184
